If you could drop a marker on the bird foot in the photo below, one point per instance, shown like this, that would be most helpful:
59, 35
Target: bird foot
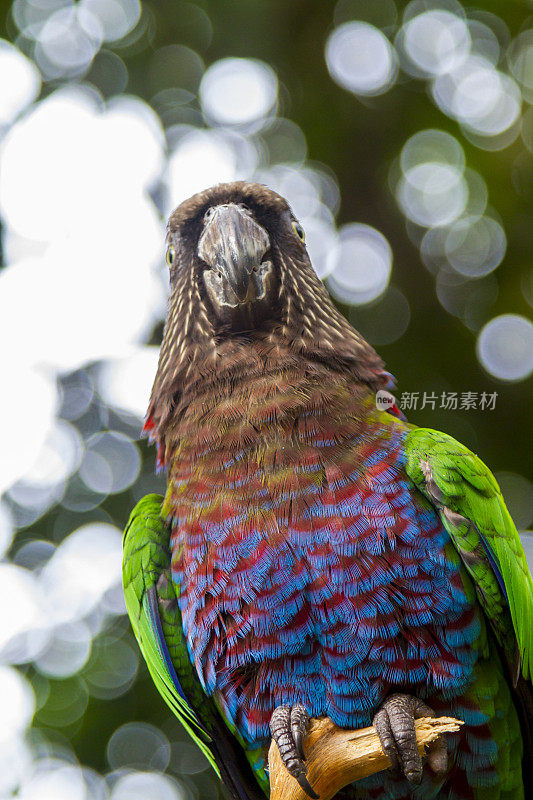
288, 725
395, 725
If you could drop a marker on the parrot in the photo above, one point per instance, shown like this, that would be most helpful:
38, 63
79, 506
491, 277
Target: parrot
315, 554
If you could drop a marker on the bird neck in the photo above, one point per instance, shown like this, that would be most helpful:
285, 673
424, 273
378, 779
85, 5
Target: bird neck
255, 390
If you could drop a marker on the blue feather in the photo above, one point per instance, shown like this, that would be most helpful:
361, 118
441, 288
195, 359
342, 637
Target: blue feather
153, 611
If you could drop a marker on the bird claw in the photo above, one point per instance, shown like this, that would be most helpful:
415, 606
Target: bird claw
395, 725
288, 725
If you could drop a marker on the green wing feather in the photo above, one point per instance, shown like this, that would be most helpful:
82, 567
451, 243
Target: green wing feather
474, 513
151, 601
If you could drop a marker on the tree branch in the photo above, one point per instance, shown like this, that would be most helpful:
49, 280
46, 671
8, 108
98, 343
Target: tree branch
338, 757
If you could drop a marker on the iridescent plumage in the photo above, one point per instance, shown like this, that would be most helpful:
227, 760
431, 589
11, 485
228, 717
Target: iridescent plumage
324, 552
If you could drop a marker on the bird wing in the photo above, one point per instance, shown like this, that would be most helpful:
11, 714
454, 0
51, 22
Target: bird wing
473, 511
145, 568
151, 600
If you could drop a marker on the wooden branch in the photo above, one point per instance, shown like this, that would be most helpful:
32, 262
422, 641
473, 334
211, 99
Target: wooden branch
338, 757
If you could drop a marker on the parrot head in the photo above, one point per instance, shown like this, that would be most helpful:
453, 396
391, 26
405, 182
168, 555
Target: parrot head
231, 238
244, 297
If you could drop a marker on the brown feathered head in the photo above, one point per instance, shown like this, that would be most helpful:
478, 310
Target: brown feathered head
244, 293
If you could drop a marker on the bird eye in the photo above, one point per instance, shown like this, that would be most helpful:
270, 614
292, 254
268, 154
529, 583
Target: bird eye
299, 231
171, 256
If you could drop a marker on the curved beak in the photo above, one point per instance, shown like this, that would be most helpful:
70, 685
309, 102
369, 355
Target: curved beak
233, 245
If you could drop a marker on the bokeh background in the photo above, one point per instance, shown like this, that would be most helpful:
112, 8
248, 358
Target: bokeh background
402, 135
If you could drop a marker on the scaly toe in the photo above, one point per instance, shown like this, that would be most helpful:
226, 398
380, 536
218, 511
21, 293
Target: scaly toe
288, 726
395, 724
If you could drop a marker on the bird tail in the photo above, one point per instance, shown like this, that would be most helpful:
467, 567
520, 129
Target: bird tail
523, 700
235, 771
522, 695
